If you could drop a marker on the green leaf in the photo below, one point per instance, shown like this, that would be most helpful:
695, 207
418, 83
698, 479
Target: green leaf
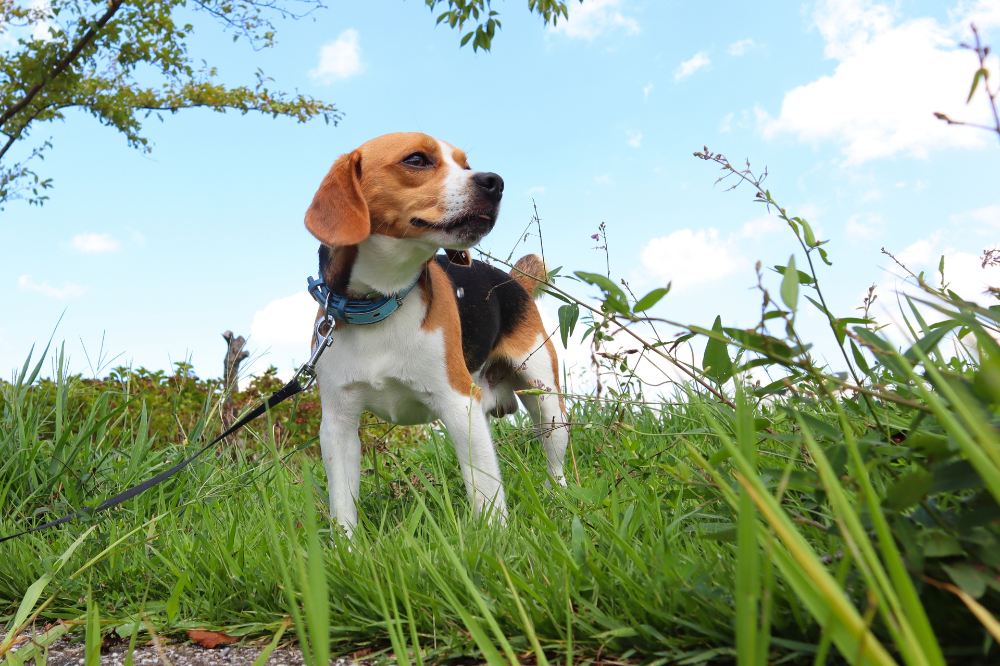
822, 254
928, 443
568, 314
92, 640
810, 236
968, 577
939, 544
173, 603
986, 382
717, 532
955, 476
614, 297
804, 278
621, 632
651, 299
466, 38
859, 358
790, 285
579, 543
716, 361
819, 306
886, 358
981, 73
931, 340
602, 282
908, 490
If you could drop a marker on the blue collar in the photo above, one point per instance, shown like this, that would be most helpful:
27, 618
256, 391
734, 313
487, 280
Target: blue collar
356, 310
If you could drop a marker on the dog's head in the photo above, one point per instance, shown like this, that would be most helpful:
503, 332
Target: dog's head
405, 185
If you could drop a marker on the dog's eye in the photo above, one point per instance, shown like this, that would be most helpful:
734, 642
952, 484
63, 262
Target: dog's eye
417, 160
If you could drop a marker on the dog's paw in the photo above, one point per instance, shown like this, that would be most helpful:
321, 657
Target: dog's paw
560, 481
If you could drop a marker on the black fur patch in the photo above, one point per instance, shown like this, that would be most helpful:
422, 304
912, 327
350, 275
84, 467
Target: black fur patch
491, 306
335, 266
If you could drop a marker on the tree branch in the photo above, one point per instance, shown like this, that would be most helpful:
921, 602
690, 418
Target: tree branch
64, 62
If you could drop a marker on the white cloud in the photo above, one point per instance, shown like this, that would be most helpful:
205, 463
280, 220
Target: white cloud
646, 89
757, 229
727, 123
733, 121
68, 290
866, 226
983, 221
741, 47
340, 59
689, 67
95, 243
988, 214
537, 189
590, 19
963, 271
891, 77
690, 258
284, 321
603, 179
634, 139
921, 253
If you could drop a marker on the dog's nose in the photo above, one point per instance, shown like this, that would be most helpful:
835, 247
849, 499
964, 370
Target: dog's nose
491, 183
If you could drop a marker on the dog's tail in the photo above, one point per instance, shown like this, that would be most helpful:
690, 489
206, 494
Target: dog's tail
531, 272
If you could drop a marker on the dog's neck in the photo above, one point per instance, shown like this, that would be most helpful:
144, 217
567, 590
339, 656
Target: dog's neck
378, 264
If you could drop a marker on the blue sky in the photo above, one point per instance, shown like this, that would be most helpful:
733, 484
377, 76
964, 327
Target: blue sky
596, 121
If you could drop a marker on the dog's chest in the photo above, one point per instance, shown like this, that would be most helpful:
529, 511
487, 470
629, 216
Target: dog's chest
395, 365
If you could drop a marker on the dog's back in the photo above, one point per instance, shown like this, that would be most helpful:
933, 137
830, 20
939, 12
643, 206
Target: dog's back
492, 306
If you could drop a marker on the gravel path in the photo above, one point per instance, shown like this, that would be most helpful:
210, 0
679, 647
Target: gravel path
66, 653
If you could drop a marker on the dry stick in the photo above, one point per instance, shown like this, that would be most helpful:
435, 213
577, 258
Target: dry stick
538, 225
981, 53
64, 62
672, 360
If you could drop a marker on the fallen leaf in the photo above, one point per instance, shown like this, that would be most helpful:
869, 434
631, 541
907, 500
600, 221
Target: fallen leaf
112, 639
210, 639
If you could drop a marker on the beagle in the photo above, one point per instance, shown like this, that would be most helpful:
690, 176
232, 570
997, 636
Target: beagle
463, 337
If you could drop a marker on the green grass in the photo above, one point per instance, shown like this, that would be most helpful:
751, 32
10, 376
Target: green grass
643, 560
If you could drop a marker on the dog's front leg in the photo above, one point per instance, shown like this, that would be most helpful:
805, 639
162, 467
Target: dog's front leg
341, 448
470, 432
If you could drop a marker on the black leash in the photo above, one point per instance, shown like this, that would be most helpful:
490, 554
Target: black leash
284, 393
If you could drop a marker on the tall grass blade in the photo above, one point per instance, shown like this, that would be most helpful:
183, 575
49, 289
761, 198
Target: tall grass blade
748, 565
92, 639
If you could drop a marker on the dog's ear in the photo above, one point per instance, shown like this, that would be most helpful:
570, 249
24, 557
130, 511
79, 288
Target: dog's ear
459, 257
338, 215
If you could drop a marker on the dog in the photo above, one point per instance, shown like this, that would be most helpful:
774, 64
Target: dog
461, 337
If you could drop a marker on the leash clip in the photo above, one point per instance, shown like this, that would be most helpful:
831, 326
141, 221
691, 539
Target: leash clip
323, 340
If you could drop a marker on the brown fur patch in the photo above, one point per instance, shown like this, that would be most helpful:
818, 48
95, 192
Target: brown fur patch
530, 272
460, 159
442, 314
521, 341
338, 214
459, 257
